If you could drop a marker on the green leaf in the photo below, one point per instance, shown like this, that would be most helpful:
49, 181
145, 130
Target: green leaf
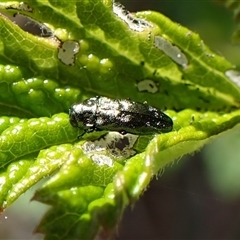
33, 135
78, 217
91, 47
98, 68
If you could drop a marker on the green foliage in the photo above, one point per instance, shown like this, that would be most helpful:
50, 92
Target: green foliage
234, 5
146, 57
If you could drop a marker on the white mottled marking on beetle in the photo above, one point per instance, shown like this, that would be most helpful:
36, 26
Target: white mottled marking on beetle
171, 51
148, 86
136, 24
234, 76
124, 105
67, 52
106, 103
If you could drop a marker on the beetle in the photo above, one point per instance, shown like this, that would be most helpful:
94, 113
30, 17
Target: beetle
121, 115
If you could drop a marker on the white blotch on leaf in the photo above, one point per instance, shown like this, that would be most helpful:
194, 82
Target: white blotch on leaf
67, 52
171, 51
136, 24
101, 160
22, 6
148, 86
113, 144
234, 76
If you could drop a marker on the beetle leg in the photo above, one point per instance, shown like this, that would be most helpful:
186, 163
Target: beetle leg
80, 136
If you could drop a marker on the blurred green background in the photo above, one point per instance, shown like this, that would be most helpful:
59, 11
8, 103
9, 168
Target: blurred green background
198, 197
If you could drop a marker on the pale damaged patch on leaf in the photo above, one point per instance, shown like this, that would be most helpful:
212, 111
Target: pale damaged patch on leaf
67, 52
171, 51
136, 24
114, 144
21, 6
234, 76
147, 85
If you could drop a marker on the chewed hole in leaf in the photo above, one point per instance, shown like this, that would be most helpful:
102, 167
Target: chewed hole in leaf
32, 26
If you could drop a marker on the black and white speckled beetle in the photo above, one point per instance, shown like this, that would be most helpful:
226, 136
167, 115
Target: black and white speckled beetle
121, 115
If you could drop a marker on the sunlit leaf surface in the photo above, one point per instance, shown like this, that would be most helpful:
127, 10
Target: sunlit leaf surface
95, 47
